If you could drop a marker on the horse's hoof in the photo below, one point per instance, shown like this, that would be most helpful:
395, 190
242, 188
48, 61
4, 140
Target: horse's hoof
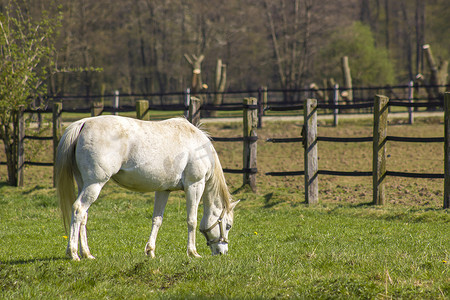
72, 256
149, 251
87, 255
193, 253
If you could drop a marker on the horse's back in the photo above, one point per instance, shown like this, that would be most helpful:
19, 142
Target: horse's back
143, 155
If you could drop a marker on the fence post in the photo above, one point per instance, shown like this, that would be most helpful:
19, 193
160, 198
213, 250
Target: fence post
116, 103
20, 144
194, 110
97, 107
311, 159
447, 150
250, 118
265, 97
187, 102
336, 102
57, 132
142, 111
380, 120
410, 99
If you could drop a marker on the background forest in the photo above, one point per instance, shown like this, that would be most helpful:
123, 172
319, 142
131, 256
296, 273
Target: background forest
139, 45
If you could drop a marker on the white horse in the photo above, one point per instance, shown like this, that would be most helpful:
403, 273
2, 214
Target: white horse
143, 156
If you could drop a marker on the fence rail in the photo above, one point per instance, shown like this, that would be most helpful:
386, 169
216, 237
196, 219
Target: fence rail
300, 91
361, 99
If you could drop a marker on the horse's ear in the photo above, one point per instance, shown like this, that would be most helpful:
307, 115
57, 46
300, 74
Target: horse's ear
233, 205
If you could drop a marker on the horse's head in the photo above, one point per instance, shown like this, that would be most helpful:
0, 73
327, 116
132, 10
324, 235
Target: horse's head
216, 234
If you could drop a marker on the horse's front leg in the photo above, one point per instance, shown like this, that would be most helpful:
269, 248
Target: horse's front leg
158, 212
194, 193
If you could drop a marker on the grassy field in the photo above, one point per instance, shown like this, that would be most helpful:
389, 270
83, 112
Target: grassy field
279, 247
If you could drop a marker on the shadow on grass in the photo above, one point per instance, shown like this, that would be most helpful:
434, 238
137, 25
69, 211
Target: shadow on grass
392, 213
242, 189
34, 189
28, 190
267, 198
352, 206
33, 260
269, 202
412, 209
3, 183
362, 205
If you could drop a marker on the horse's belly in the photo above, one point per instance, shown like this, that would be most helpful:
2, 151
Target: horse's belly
148, 181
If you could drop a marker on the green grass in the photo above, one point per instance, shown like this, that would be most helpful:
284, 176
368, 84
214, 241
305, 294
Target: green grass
328, 251
279, 247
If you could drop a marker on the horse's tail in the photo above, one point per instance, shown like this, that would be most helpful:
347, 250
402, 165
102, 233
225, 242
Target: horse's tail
65, 167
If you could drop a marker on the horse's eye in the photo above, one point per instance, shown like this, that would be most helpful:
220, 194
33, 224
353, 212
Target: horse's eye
228, 227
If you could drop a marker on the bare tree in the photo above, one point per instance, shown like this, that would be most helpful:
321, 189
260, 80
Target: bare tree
140, 44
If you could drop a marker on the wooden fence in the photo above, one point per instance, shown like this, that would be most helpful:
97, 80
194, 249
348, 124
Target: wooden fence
379, 140
252, 118
142, 108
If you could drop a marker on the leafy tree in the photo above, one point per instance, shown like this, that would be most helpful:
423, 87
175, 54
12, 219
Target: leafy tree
439, 15
26, 51
370, 65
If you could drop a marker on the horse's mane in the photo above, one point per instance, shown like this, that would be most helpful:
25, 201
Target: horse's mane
217, 180
219, 184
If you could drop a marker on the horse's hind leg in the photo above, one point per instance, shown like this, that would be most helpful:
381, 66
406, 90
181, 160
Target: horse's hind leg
86, 197
83, 239
83, 236
158, 212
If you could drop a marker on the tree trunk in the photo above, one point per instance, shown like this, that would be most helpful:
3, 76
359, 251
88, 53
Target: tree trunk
11, 163
387, 24
276, 47
406, 35
420, 34
10, 142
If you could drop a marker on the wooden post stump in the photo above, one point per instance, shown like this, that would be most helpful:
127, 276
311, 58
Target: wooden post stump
262, 101
250, 118
219, 85
310, 145
194, 110
142, 111
380, 121
97, 108
347, 79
